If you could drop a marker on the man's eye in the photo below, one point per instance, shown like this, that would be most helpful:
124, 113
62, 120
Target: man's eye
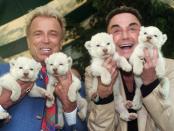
53, 33
133, 29
117, 31
37, 33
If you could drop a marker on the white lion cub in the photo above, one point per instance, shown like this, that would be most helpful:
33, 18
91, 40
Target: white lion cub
24, 69
100, 47
150, 37
59, 64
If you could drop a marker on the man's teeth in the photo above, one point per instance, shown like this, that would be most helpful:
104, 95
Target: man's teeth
45, 49
124, 46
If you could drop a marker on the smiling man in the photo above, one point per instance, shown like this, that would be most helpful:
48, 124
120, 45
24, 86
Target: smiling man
125, 34
124, 24
44, 34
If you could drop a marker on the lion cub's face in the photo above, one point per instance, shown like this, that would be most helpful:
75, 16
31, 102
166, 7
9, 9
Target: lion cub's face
101, 45
152, 36
25, 69
58, 64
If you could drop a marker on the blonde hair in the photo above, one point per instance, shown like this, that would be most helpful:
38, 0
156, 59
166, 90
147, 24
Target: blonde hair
44, 11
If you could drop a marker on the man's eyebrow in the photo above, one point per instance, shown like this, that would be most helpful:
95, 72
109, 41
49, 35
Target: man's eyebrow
132, 24
54, 31
113, 26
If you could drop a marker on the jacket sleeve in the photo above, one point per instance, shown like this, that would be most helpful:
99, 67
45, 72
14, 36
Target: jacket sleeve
160, 109
4, 68
101, 117
81, 125
88, 83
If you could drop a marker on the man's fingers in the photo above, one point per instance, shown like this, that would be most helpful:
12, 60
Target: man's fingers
147, 56
65, 78
108, 61
150, 61
155, 56
114, 76
69, 76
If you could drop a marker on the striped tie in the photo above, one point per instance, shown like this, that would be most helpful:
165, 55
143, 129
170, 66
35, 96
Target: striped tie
49, 120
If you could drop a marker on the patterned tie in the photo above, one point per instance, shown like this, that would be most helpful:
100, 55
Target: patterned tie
49, 120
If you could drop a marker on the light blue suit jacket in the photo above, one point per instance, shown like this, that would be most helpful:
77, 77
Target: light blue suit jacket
27, 114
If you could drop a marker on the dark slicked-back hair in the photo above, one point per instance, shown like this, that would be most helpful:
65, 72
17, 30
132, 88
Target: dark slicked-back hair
123, 9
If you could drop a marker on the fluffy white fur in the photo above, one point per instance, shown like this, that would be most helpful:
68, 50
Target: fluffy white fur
24, 69
150, 37
100, 47
59, 64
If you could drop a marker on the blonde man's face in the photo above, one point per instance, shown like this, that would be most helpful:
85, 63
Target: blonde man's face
44, 37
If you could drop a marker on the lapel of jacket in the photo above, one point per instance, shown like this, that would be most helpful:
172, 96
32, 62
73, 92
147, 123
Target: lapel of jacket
142, 119
123, 124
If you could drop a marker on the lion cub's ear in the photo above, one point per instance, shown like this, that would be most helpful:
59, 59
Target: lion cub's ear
46, 60
142, 28
70, 61
12, 62
88, 45
164, 38
37, 64
111, 36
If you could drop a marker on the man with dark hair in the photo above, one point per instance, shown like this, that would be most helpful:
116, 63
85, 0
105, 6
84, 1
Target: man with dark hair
123, 9
156, 113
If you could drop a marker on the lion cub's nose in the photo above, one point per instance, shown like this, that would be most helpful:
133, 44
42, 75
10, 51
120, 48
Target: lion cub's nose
25, 74
105, 50
55, 69
149, 37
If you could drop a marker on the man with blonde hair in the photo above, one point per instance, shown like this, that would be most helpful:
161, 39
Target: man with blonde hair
44, 34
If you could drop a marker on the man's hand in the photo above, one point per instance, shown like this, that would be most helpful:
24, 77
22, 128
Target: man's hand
61, 91
149, 73
5, 100
106, 90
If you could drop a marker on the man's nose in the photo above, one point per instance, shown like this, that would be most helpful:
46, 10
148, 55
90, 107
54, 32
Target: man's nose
46, 38
125, 34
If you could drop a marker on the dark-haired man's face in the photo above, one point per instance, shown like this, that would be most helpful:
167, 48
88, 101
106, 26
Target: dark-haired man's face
125, 29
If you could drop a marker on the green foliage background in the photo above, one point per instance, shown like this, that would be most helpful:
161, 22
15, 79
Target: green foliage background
154, 12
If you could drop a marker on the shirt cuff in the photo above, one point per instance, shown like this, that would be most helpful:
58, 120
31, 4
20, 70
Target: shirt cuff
102, 101
71, 117
147, 89
1, 109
